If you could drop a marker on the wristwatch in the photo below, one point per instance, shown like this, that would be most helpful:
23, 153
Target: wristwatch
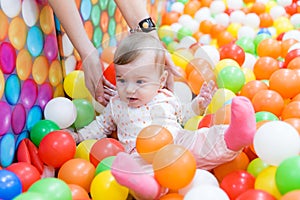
146, 25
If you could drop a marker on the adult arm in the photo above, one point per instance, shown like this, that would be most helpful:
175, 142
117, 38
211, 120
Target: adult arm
69, 17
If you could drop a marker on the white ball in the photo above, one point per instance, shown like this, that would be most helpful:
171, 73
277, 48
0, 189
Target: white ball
250, 61
183, 92
177, 7
277, 11
62, 111
252, 20
202, 177
275, 141
222, 19
295, 34
206, 192
209, 53
217, 7
284, 3
246, 31
237, 16
295, 19
202, 14
235, 4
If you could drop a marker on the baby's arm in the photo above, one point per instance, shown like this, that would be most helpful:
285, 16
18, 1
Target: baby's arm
202, 100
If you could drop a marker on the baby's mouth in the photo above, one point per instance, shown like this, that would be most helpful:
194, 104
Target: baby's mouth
130, 99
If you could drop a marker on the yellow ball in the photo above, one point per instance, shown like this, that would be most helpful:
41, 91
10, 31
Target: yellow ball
182, 57
249, 74
104, 186
74, 85
221, 96
192, 123
164, 31
83, 149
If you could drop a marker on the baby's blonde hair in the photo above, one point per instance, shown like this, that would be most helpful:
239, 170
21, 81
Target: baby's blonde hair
132, 46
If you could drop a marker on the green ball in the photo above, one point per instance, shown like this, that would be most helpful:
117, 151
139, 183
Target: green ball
41, 129
31, 196
247, 44
231, 78
256, 166
265, 115
52, 188
105, 164
183, 1
184, 31
287, 175
85, 113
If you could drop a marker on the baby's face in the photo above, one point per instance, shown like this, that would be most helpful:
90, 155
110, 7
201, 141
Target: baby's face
138, 81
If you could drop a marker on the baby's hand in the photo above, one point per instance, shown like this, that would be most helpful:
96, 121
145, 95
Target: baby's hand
202, 100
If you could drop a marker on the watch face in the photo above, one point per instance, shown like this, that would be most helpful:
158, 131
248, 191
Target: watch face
145, 25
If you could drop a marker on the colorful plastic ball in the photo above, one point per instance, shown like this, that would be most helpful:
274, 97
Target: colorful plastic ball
110, 73
266, 181
287, 175
231, 78
74, 85
151, 139
264, 67
201, 178
192, 123
200, 71
224, 63
56, 148
206, 192
27, 173
292, 195
237, 182
172, 196
103, 148
10, 185
222, 115
104, 186
256, 166
295, 122
78, 192
77, 171
41, 129
268, 100
83, 149
184, 31
168, 164
85, 113
62, 111
255, 194
265, 115
269, 47
286, 82
221, 96
32, 196
232, 51
291, 55
53, 188
105, 164
276, 141
252, 87
239, 163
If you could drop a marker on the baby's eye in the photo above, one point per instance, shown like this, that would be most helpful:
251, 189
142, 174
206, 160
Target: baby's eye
139, 81
120, 80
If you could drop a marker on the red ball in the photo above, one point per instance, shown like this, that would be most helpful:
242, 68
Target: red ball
255, 194
206, 121
110, 73
232, 51
56, 148
237, 182
103, 148
27, 173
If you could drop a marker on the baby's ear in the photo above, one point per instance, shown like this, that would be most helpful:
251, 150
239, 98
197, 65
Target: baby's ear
163, 78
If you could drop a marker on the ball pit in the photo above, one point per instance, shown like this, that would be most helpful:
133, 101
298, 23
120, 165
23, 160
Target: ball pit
255, 39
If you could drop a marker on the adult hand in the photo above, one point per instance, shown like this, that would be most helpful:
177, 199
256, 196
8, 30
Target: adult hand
172, 71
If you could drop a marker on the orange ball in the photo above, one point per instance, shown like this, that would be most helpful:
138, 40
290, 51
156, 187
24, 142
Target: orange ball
201, 71
239, 163
252, 87
151, 139
172, 196
216, 29
222, 116
296, 98
169, 18
292, 195
294, 64
206, 26
77, 171
266, 20
224, 38
291, 110
191, 7
264, 67
295, 122
258, 8
78, 192
174, 166
269, 47
268, 100
286, 82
